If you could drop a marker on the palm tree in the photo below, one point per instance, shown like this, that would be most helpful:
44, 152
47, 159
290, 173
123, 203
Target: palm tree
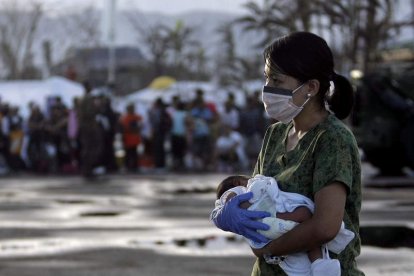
180, 41
154, 38
227, 63
364, 25
277, 17
196, 62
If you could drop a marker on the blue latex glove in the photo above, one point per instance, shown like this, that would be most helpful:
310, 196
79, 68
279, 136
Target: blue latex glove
241, 221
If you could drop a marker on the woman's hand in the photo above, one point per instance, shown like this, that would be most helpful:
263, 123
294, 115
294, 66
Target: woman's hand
259, 252
240, 221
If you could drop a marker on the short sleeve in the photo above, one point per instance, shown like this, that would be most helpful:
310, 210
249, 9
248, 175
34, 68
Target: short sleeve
270, 141
258, 168
333, 160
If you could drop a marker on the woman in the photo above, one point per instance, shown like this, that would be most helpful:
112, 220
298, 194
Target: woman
309, 151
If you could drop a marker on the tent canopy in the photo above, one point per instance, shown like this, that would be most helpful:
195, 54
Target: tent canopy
162, 82
21, 92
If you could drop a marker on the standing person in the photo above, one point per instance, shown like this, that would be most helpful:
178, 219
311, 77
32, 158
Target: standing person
252, 127
37, 153
131, 137
57, 131
160, 122
5, 134
91, 140
206, 126
108, 123
16, 136
229, 150
230, 116
113, 119
309, 151
201, 116
179, 118
73, 133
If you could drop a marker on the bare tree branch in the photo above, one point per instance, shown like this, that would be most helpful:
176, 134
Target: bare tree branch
18, 32
83, 27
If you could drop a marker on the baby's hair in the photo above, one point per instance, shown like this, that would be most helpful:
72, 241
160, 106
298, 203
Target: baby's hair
228, 183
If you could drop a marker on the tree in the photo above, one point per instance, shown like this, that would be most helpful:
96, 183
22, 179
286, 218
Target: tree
171, 50
358, 29
380, 26
232, 69
227, 64
196, 62
277, 17
365, 27
18, 32
83, 27
179, 40
154, 38
343, 24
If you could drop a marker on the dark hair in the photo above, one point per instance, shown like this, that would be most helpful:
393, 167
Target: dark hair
130, 107
306, 56
228, 183
87, 86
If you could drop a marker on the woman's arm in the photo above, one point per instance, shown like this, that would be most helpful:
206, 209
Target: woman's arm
321, 228
300, 214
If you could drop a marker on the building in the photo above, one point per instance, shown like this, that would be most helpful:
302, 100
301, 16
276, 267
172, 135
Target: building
92, 64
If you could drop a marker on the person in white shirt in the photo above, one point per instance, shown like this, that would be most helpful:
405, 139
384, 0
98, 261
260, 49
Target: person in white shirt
229, 148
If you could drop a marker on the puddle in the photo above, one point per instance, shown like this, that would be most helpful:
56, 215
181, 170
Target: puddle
49, 263
100, 214
73, 201
405, 204
19, 206
8, 194
38, 247
194, 191
378, 236
208, 245
205, 246
387, 236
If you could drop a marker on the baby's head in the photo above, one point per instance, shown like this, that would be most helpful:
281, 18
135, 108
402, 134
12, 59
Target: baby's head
231, 182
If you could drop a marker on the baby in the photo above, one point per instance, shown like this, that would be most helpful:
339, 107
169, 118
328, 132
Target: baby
287, 210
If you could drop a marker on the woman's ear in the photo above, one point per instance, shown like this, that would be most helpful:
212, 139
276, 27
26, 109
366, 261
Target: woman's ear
313, 86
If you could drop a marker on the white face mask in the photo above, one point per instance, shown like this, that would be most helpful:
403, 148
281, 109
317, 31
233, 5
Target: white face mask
279, 104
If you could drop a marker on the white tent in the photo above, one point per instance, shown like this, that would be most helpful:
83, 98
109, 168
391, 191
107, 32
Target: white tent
184, 89
21, 92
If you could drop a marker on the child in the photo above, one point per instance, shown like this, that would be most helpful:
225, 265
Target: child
287, 210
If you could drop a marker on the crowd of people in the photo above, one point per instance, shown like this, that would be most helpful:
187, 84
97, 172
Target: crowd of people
90, 137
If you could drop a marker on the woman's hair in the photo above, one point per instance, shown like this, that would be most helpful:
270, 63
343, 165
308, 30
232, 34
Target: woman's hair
306, 56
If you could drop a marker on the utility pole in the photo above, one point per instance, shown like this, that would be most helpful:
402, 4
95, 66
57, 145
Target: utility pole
412, 15
110, 39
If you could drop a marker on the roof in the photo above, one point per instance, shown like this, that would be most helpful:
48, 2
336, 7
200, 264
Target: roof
98, 58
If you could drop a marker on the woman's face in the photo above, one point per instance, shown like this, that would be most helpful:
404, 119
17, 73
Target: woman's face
279, 80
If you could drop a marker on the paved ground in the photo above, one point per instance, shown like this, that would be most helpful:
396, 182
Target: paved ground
157, 225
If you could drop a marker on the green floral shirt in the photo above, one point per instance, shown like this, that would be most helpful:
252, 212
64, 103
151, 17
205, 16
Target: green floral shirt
327, 153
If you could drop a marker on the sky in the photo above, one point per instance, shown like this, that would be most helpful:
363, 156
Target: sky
164, 6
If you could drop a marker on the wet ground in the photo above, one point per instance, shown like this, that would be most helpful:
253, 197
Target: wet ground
157, 225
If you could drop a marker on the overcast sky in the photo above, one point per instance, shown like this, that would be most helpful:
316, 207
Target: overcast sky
163, 6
